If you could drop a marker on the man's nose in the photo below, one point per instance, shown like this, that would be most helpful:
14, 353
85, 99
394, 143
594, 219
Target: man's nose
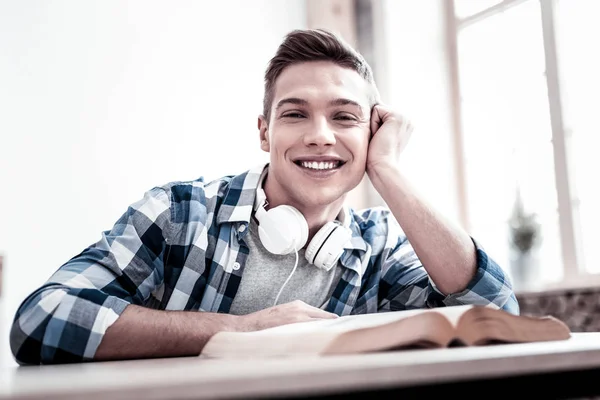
320, 133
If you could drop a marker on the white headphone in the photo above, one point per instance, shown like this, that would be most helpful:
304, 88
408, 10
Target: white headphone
283, 230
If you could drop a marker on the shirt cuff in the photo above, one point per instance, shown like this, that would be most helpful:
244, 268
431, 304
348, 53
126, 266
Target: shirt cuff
490, 286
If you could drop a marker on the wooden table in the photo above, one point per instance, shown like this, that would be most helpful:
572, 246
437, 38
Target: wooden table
563, 369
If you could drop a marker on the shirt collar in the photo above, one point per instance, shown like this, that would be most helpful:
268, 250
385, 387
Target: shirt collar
239, 198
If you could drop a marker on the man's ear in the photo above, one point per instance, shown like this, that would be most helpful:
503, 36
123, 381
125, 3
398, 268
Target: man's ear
263, 129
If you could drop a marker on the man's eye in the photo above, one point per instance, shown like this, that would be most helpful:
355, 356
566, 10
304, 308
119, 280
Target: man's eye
345, 117
293, 115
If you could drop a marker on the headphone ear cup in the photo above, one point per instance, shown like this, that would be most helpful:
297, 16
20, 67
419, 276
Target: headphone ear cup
282, 230
327, 245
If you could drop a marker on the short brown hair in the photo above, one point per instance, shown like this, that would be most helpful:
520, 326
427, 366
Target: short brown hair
314, 45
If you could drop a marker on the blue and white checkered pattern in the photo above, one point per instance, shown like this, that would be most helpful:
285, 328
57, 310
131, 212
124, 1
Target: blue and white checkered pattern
175, 249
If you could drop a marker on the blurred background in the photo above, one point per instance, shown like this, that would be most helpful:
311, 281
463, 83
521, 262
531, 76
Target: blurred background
103, 100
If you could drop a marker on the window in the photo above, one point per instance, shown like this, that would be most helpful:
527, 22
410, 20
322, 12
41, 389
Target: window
579, 64
464, 8
521, 129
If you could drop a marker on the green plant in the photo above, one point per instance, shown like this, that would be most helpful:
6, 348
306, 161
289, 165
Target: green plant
525, 230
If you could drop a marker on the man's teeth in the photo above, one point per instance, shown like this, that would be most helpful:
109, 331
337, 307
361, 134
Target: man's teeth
320, 165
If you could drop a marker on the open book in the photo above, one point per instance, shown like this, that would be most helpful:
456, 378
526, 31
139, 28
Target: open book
397, 330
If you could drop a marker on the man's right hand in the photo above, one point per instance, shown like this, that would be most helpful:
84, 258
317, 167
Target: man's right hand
282, 314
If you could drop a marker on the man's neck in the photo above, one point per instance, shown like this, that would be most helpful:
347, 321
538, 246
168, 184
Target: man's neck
316, 215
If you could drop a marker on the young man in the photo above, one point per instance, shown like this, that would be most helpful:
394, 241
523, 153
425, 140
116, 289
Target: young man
271, 246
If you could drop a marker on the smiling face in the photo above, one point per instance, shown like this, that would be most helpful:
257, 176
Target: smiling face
318, 134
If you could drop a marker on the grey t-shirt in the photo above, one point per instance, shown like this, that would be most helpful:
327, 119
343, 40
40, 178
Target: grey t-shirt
265, 273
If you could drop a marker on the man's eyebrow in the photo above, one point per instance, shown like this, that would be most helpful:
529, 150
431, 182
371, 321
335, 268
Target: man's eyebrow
344, 102
291, 100
301, 102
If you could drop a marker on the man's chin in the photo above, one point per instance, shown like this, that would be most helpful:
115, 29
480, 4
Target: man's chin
319, 196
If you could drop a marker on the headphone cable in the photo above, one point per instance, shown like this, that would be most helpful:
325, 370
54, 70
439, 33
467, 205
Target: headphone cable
287, 280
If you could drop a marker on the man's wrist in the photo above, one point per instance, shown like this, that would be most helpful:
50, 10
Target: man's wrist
212, 323
381, 174
238, 323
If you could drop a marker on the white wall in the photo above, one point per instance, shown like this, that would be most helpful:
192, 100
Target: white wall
418, 84
102, 100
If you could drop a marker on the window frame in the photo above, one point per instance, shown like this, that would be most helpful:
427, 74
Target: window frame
574, 275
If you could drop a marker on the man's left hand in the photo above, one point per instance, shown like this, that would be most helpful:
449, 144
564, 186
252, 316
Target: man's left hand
390, 133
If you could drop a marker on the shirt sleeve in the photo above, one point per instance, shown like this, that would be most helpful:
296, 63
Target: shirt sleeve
65, 319
405, 283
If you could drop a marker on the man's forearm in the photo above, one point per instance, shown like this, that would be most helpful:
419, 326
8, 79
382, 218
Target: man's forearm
446, 251
145, 333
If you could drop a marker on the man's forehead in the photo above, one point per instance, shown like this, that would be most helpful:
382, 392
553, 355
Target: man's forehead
323, 81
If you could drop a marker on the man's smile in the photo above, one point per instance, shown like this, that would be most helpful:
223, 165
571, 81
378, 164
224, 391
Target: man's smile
319, 166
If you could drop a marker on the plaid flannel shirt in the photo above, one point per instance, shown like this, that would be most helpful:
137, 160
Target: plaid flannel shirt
181, 247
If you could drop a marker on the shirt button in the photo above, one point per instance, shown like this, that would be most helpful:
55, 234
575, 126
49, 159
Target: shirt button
236, 266
242, 228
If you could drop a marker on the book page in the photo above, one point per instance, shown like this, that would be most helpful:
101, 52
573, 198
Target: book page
485, 326
258, 344
423, 330
350, 322
308, 337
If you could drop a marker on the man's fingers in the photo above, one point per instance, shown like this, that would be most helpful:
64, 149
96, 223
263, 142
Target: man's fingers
314, 312
318, 313
309, 310
375, 120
